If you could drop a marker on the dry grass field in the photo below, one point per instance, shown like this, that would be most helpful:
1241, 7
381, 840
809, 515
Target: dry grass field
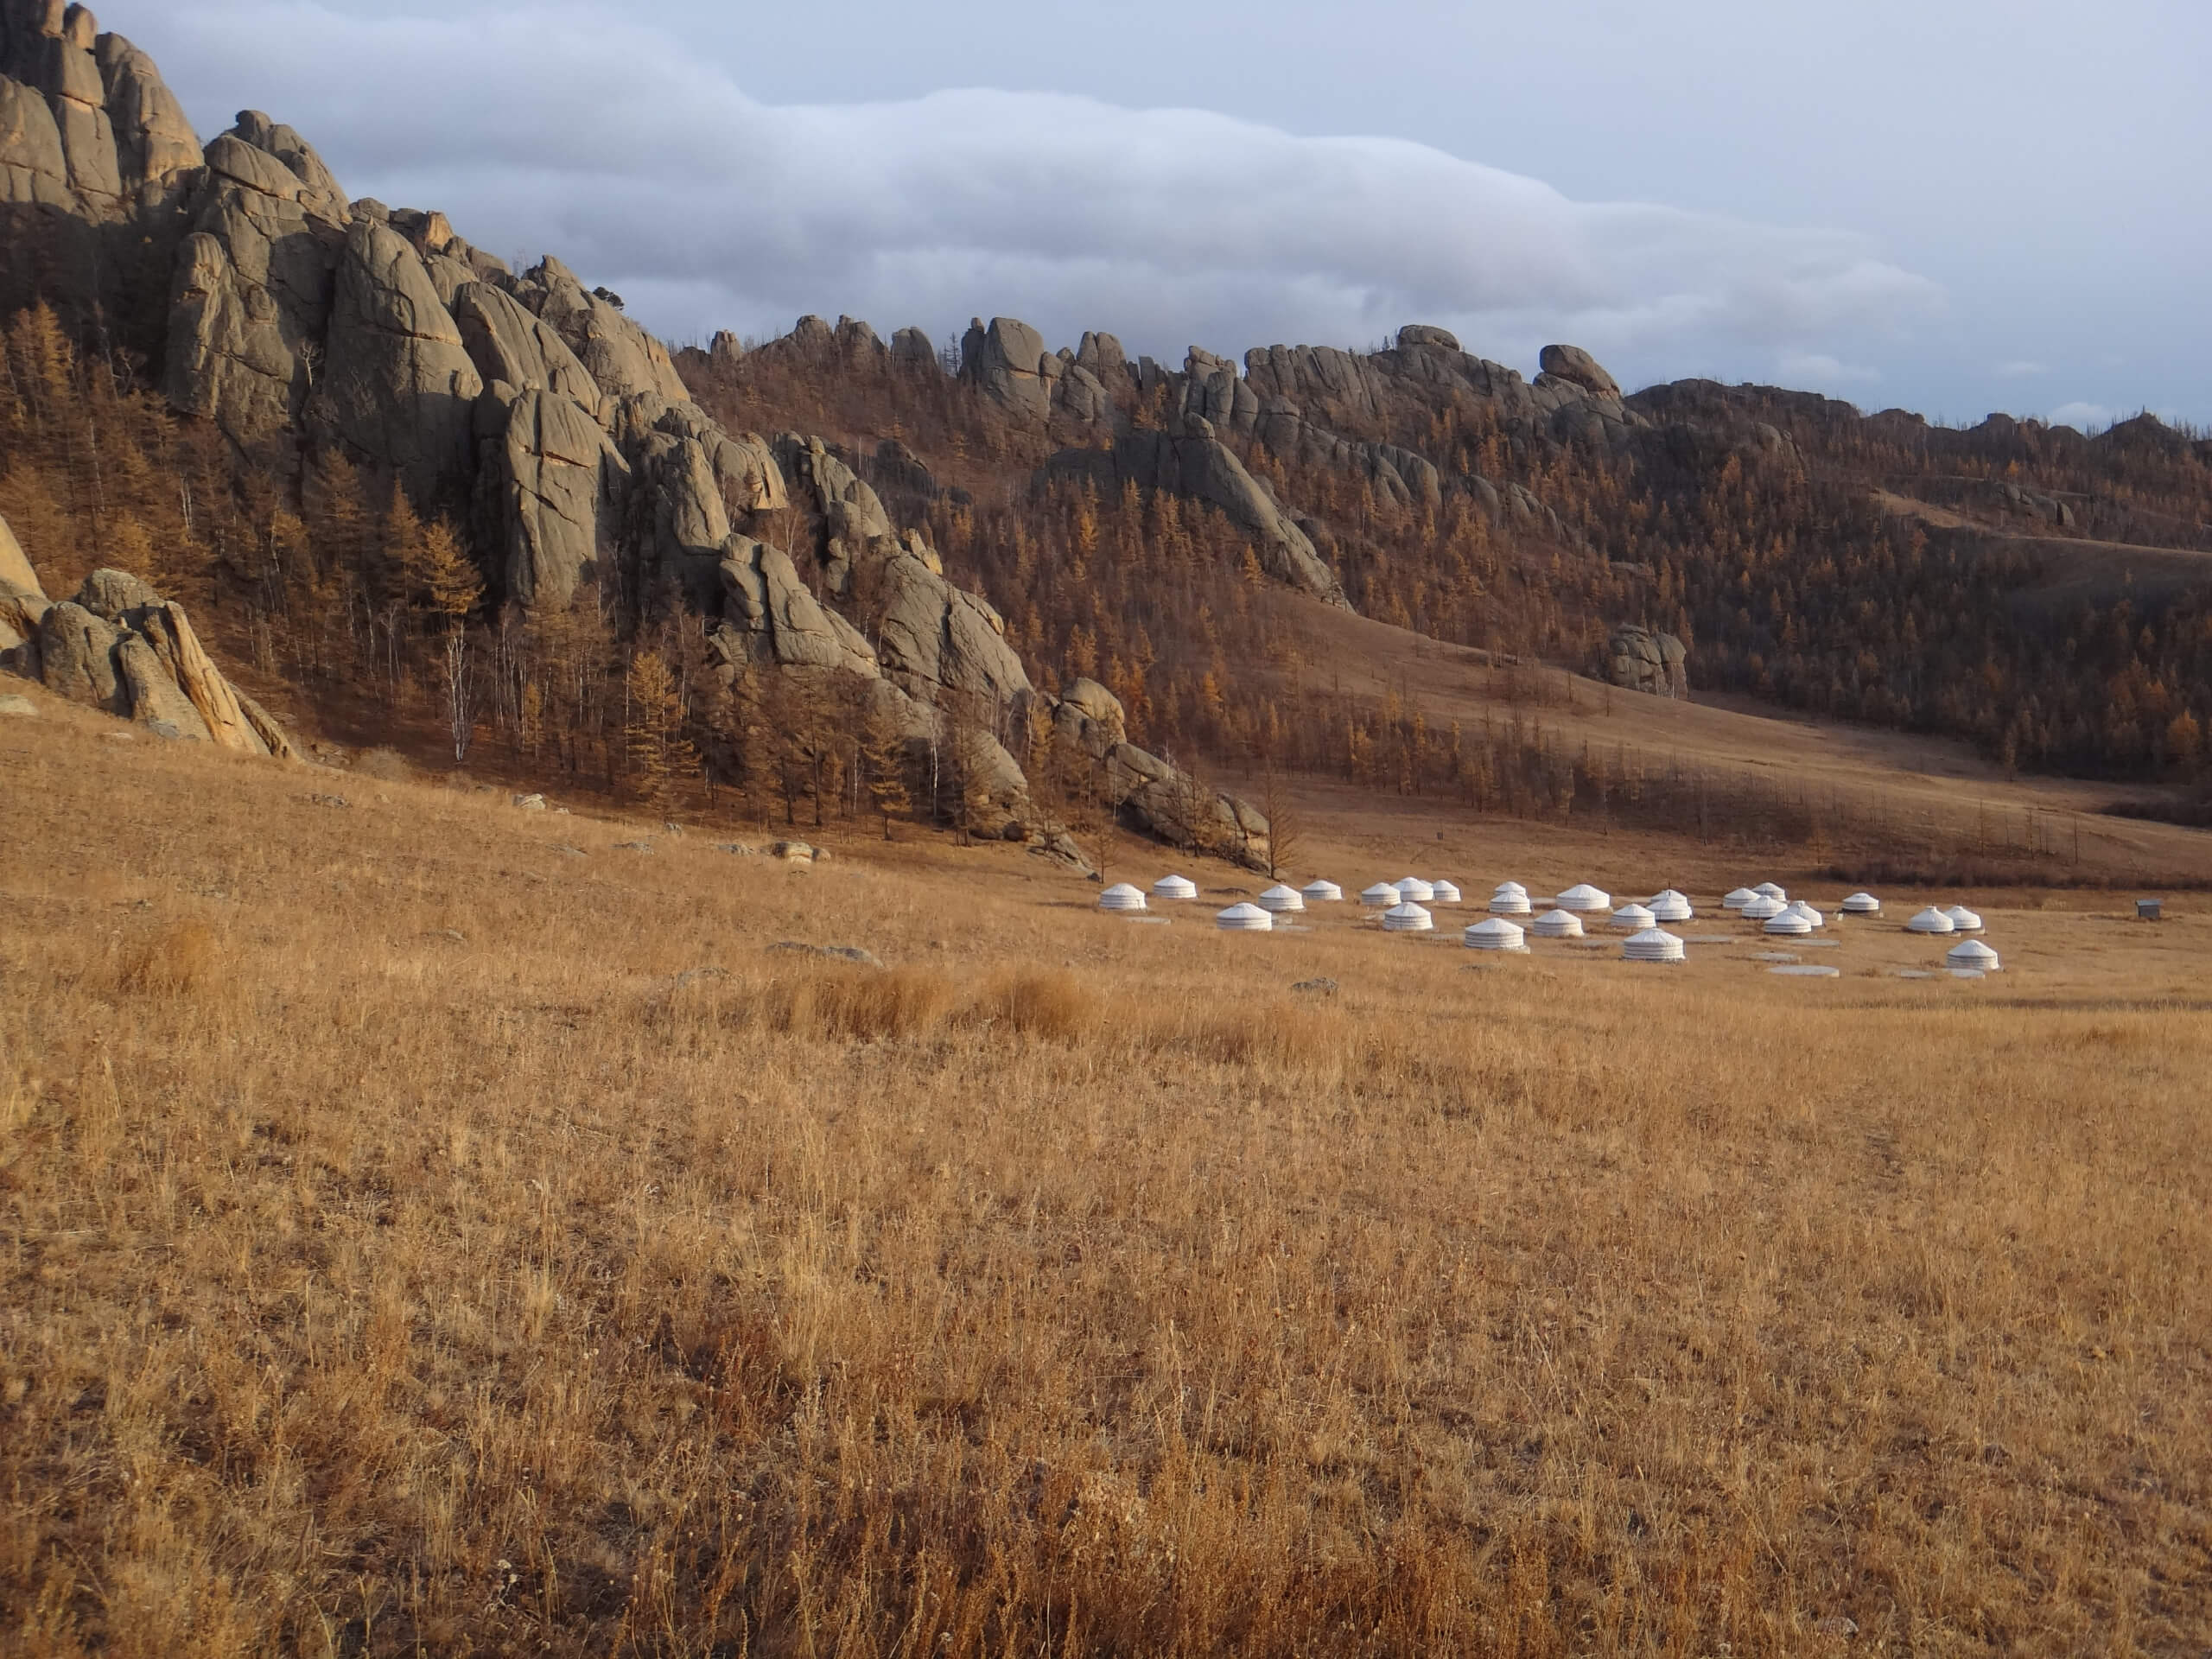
431, 1228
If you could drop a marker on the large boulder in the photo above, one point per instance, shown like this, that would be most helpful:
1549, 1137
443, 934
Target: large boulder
939, 642
770, 618
33, 170
556, 482
1005, 362
154, 139
77, 659
398, 389
1641, 659
508, 343
622, 357
1576, 367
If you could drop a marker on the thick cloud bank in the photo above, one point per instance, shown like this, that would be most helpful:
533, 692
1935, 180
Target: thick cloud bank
650, 170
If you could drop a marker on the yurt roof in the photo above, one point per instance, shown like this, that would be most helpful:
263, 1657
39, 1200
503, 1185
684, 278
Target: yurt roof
1413, 887
1654, 944
1407, 917
1175, 886
1511, 886
1972, 953
1250, 917
1121, 897
1738, 898
1511, 904
1788, 923
1584, 897
1323, 890
1633, 916
1769, 890
1565, 923
1496, 933
1762, 907
1447, 892
1859, 903
1962, 918
1280, 891
1381, 893
1932, 921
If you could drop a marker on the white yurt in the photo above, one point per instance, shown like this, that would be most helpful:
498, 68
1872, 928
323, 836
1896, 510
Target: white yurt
1654, 944
1446, 892
1322, 893
1975, 956
1964, 920
1861, 904
1738, 898
1813, 917
1558, 924
1671, 906
1789, 924
1175, 889
1413, 890
1931, 921
1767, 890
1633, 919
1761, 908
1504, 888
1245, 918
1380, 896
1408, 918
1513, 903
1123, 897
1282, 900
1585, 898
1495, 934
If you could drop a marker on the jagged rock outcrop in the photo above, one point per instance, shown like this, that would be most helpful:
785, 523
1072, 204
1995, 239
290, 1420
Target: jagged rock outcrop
622, 358
397, 388
120, 648
554, 484
1190, 460
770, 618
510, 343
1147, 792
1006, 361
1576, 367
1640, 659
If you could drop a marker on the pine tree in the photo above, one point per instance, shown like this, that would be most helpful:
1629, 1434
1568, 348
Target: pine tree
883, 754
659, 754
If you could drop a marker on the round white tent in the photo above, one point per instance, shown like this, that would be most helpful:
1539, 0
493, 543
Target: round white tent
1495, 934
1654, 944
1633, 919
1282, 900
1245, 918
1585, 898
1409, 918
1738, 898
1515, 903
1444, 891
1763, 909
1671, 906
1380, 896
1964, 920
1558, 924
1509, 886
1413, 890
1813, 917
1767, 890
1931, 921
1123, 897
1174, 888
1789, 924
1862, 903
1323, 892
1974, 954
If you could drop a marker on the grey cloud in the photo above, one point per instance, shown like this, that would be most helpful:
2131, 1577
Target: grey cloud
605, 141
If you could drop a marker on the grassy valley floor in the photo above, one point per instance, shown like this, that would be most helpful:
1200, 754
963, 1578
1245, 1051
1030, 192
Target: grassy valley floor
429, 1227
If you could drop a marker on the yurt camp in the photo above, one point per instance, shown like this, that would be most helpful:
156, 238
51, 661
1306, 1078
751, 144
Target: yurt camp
1654, 944
1380, 896
1122, 897
1633, 919
1972, 956
1586, 899
1495, 934
1174, 889
1931, 921
1672, 907
1323, 892
1245, 918
1557, 924
1282, 900
1861, 904
1408, 918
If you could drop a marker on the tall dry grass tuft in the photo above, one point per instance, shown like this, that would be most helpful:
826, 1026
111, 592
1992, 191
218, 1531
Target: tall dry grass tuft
182, 959
1039, 1002
857, 1003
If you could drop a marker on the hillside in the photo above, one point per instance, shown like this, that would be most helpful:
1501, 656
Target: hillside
853, 567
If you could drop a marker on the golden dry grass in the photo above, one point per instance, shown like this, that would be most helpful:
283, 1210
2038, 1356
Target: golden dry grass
409, 1248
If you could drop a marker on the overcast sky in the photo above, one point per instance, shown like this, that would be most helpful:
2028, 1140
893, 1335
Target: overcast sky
1957, 206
